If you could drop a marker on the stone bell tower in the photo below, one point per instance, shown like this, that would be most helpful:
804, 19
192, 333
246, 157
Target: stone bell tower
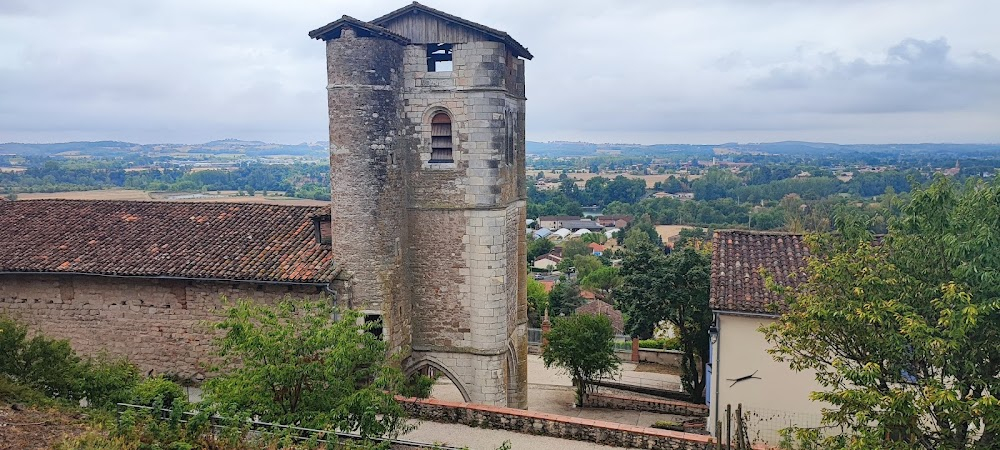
428, 192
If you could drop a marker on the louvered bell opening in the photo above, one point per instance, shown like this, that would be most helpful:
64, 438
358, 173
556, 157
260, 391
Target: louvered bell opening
441, 145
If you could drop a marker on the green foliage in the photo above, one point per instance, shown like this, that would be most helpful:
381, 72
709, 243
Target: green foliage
538, 302
574, 247
583, 345
657, 287
297, 366
539, 247
11, 392
596, 238
53, 368
159, 391
48, 365
417, 385
96, 440
902, 333
586, 265
108, 380
564, 298
668, 425
673, 343
602, 282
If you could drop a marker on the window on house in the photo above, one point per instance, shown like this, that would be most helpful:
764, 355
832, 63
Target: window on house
439, 58
441, 145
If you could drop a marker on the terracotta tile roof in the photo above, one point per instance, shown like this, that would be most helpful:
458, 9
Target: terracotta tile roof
233, 241
737, 257
599, 307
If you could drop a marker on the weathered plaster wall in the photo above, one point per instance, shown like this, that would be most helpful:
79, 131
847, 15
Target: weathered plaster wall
159, 325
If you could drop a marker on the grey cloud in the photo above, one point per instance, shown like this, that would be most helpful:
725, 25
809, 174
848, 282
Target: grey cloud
913, 75
651, 71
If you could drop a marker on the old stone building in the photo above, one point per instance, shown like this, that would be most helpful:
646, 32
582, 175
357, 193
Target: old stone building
427, 165
140, 279
426, 231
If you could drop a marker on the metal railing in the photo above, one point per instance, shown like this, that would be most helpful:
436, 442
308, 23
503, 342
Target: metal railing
534, 336
297, 433
623, 343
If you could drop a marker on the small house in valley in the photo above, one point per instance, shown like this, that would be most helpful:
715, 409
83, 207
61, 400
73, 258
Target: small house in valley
740, 370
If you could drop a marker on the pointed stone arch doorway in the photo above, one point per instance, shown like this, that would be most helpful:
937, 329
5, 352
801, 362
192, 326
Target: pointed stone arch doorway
433, 368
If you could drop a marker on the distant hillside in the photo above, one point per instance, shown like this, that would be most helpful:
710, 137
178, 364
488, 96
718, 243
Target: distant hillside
114, 148
576, 149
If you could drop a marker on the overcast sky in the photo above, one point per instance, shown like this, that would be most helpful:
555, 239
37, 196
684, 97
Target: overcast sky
637, 71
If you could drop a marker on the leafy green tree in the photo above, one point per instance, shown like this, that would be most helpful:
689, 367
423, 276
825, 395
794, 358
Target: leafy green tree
902, 333
539, 247
538, 302
573, 247
564, 298
657, 287
585, 265
595, 238
296, 365
583, 345
602, 282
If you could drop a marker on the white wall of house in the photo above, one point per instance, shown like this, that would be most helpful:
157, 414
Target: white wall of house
777, 400
545, 264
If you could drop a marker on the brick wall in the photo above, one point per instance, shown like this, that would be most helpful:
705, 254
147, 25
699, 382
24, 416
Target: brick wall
158, 324
645, 404
530, 422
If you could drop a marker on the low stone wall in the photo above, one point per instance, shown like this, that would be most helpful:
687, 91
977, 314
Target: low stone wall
531, 422
669, 358
645, 404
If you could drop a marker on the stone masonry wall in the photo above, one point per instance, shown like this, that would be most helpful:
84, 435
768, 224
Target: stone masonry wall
367, 162
531, 422
158, 324
645, 404
466, 221
441, 243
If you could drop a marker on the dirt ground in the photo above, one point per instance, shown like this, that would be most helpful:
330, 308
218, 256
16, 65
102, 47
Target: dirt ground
30, 428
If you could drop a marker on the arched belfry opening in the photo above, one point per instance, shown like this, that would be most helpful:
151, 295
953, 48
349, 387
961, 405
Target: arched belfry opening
426, 114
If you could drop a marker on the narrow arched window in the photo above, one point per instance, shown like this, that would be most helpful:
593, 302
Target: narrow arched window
441, 145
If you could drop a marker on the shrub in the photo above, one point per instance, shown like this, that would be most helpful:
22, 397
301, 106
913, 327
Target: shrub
661, 344
53, 368
48, 365
159, 391
108, 380
417, 386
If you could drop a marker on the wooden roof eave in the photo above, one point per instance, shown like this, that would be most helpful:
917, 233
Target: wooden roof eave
326, 31
518, 49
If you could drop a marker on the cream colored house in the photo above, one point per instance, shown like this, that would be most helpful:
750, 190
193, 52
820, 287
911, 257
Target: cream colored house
741, 371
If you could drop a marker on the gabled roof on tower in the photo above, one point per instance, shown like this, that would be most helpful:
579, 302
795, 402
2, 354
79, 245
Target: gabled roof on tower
380, 27
417, 8
332, 30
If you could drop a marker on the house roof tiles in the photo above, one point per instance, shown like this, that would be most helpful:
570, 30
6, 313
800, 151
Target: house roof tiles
232, 241
737, 257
